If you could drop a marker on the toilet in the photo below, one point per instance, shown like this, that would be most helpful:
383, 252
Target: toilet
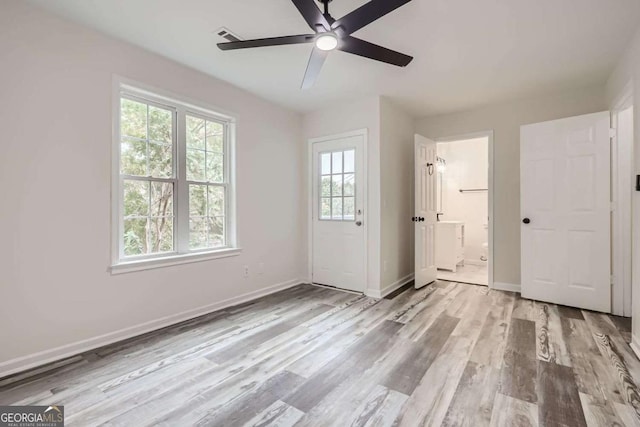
485, 247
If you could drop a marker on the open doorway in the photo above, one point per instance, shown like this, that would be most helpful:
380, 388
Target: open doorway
463, 230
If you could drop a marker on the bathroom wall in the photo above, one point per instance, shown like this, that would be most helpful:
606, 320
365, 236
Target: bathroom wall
467, 167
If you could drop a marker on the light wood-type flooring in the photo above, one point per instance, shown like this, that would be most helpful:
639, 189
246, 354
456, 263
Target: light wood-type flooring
448, 354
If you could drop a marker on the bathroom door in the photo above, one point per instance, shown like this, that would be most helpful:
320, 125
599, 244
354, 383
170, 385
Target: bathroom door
426, 202
565, 207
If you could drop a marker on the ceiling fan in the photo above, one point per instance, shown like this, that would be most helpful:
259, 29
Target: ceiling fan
333, 34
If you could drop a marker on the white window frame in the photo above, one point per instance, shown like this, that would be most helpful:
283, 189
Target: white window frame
180, 107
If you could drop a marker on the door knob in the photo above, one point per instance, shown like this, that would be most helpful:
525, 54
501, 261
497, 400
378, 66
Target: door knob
359, 223
526, 221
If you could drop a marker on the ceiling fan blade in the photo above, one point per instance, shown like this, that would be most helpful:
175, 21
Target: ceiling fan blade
373, 51
310, 12
366, 14
272, 41
313, 67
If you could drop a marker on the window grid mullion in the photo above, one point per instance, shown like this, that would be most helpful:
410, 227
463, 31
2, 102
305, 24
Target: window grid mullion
149, 188
206, 174
331, 185
148, 178
342, 185
182, 226
147, 144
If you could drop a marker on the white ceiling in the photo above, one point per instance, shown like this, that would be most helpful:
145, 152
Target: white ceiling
467, 52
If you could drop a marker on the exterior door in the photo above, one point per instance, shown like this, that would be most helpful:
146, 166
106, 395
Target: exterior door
338, 167
565, 208
425, 211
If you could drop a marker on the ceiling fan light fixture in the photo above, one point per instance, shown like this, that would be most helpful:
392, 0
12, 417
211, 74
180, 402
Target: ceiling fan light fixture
327, 41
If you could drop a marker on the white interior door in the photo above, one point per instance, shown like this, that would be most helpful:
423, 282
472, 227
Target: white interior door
425, 211
338, 168
565, 207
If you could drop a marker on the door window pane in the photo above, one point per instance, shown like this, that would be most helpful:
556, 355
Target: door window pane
336, 208
349, 161
325, 208
325, 164
349, 210
336, 162
349, 184
325, 186
337, 186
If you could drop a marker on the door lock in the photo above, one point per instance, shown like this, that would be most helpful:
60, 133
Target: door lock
526, 221
359, 223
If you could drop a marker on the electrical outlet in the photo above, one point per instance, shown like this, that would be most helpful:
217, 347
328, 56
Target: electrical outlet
245, 271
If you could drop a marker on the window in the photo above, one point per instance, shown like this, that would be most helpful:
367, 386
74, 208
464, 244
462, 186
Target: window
337, 185
173, 182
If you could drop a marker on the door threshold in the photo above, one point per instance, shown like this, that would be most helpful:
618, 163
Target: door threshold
335, 288
463, 282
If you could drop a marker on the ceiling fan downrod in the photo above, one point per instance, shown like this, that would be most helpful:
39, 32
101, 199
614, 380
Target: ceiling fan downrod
325, 3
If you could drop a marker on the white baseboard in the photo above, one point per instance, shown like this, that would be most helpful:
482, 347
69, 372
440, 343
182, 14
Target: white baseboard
30, 361
381, 293
635, 345
502, 286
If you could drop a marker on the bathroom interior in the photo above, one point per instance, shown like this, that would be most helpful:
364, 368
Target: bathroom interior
462, 231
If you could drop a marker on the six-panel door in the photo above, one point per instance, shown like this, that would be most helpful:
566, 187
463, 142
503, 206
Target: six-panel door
565, 211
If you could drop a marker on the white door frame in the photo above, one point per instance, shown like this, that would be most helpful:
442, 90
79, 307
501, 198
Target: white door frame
473, 135
621, 203
365, 137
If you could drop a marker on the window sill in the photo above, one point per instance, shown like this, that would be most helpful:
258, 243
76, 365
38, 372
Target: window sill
148, 264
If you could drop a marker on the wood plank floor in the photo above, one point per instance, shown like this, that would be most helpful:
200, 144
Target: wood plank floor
448, 354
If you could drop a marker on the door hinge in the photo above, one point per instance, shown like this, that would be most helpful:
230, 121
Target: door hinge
613, 206
613, 133
613, 280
